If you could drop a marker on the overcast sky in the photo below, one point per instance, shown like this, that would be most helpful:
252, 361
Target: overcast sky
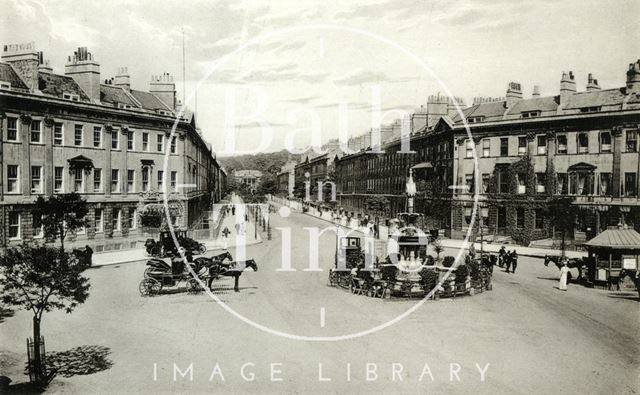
298, 77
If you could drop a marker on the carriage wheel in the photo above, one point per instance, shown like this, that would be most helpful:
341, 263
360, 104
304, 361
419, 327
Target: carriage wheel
193, 286
202, 249
149, 287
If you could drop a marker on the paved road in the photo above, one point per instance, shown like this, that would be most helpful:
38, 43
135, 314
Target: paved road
535, 338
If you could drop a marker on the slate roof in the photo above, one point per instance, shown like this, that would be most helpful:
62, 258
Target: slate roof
542, 104
605, 97
8, 74
149, 101
491, 111
627, 239
115, 94
56, 85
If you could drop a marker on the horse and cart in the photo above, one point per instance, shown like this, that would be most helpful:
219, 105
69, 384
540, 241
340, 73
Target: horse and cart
161, 275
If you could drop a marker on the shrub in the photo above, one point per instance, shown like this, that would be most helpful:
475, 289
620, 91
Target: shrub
461, 274
474, 269
428, 279
448, 261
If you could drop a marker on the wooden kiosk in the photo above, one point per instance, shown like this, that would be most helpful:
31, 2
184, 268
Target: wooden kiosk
613, 250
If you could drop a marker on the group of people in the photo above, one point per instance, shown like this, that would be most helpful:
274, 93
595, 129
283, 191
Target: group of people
508, 259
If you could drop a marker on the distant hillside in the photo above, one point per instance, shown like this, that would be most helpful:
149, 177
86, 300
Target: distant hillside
267, 162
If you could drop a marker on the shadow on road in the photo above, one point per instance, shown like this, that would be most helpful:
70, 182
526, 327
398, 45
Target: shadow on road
80, 360
625, 295
5, 313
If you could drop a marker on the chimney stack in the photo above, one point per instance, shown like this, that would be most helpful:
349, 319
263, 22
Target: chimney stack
44, 67
592, 84
567, 86
536, 91
122, 79
25, 60
514, 93
164, 87
85, 71
633, 77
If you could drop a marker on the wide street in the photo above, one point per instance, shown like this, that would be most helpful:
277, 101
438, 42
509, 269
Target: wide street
534, 338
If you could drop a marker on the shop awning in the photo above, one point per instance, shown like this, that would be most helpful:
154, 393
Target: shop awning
423, 165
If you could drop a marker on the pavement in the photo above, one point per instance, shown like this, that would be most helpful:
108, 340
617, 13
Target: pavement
489, 247
220, 243
534, 338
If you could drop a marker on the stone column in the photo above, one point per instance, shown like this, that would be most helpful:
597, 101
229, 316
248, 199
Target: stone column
108, 129
25, 170
124, 131
616, 132
48, 162
551, 151
531, 144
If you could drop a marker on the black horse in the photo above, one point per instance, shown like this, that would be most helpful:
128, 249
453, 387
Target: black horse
235, 270
84, 256
202, 262
571, 264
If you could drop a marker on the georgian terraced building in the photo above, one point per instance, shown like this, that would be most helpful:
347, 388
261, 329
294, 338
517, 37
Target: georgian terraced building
583, 145
578, 144
104, 140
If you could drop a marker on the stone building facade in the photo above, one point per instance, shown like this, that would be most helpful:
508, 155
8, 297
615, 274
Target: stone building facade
114, 145
584, 145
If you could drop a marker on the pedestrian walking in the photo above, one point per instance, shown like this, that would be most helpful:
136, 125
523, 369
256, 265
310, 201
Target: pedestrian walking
564, 273
226, 232
514, 261
472, 251
501, 256
507, 260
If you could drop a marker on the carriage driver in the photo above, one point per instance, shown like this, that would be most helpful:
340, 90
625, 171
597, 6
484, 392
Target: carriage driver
178, 264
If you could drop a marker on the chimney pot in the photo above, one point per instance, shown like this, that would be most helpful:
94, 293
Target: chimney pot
633, 78
592, 83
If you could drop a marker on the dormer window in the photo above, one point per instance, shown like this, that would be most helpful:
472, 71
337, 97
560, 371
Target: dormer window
530, 114
124, 106
590, 109
5, 85
163, 112
70, 96
475, 119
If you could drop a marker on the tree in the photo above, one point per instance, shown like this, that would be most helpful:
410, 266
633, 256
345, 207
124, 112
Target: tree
377, 204
562, 214
41, 278
268, 185
61, 214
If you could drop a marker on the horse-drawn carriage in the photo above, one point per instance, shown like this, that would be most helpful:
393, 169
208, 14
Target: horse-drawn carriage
160, 275
166, 245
